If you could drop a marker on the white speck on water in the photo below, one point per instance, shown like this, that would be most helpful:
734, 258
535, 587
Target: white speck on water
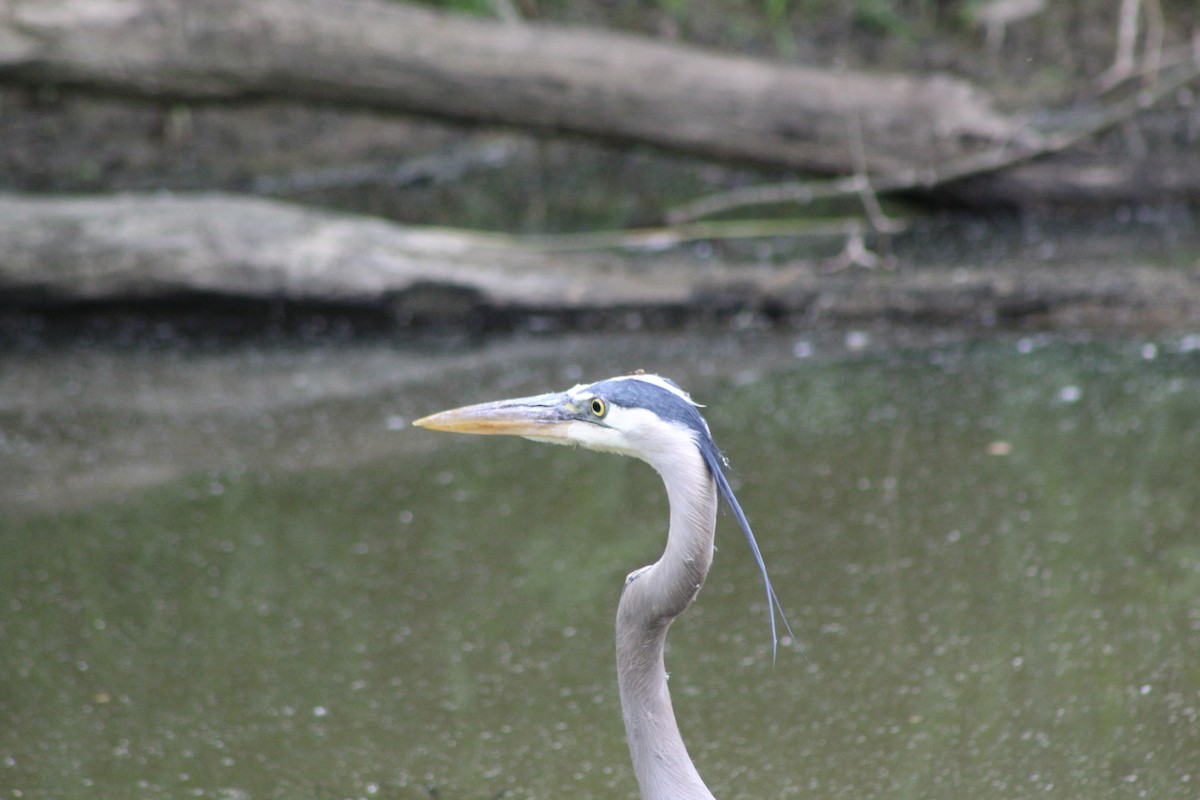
1149, 352
1190, 343
1145, 688
395, 422
857, 340
320, 711
802, 349
1070, 394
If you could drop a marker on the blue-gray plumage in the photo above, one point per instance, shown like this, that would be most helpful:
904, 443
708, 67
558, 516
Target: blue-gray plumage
666, 400
672, 404
647, 417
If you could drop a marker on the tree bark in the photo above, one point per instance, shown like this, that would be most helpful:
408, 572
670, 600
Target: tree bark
394, 57
56, 251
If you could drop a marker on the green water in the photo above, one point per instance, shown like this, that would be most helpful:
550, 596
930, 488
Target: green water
240, 574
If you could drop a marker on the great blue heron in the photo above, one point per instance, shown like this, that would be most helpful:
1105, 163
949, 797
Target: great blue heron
647, 417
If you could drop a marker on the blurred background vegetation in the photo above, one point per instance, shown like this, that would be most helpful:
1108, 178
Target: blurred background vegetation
1043, 53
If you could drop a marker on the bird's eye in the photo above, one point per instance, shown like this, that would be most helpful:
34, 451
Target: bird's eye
599, 407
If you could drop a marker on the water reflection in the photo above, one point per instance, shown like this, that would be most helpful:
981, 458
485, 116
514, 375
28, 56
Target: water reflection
989, 549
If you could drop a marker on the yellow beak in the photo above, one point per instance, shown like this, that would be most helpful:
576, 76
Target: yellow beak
544, 417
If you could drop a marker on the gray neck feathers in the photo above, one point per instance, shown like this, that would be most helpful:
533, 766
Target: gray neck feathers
650, 601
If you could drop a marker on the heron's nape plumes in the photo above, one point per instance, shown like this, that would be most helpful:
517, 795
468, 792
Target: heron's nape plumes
650, 418
715, 461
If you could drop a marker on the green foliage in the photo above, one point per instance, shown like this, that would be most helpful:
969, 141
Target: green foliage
479, 8
777, 11
677, 9
881, 17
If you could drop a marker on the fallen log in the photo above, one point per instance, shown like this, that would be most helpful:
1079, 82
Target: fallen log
61, 250
399, 58
68, 252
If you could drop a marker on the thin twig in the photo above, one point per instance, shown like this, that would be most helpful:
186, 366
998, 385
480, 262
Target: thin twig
1125, 57
666, 237
866, 194
1168, 59
1152, 51
855, 254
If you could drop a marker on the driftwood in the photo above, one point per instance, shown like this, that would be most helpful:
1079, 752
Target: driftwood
56, 251
394, 57
89, 251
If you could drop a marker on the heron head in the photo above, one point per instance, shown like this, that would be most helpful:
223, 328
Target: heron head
644, 416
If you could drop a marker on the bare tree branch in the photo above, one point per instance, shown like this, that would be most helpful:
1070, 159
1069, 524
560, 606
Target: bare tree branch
996, 158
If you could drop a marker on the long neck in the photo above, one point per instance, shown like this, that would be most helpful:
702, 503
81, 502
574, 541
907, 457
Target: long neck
652, 598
